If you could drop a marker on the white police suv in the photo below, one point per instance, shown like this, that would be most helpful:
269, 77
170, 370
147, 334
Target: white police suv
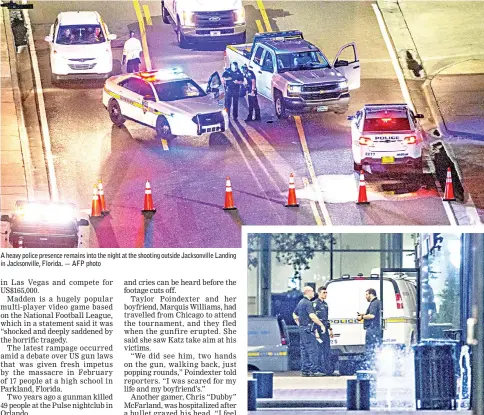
387, 136
80, 46
166, 100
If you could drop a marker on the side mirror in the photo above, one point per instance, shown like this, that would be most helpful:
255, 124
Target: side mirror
350, 117
48, 39
112, 37
83, 222
419, 116
6, 218
339, 63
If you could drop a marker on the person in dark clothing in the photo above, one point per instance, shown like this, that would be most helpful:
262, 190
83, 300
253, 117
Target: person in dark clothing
233, 80
304, 317
372, 324
252, 99
324, 345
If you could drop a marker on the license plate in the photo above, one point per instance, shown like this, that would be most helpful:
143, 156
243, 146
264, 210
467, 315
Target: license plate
322, 108
388, 160
215, 33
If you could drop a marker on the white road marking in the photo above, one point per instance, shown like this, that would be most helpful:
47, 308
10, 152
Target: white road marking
393, 57
44, 127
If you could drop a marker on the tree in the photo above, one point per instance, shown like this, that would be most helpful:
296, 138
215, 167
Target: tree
449, 307
295, 249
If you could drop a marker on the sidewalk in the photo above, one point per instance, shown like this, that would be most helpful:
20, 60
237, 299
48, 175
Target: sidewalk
15, 183
446, 39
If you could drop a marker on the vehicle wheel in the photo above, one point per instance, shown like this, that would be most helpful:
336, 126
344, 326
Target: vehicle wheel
182, 40
164, 13
356, 166
115, 113
346, 368
279, 105
163, 129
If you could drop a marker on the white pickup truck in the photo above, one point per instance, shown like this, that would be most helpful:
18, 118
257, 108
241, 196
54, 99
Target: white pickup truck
205, 20
295, 75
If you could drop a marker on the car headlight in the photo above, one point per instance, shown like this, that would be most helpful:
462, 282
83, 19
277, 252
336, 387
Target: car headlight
294, 89
239, 16
343, 84
188, 18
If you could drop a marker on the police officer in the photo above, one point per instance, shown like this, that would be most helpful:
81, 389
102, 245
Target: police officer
232, 79
304, 317
251, 87
132, 53
372, 325
321, 310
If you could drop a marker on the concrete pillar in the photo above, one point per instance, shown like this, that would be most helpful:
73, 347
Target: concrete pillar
265, 275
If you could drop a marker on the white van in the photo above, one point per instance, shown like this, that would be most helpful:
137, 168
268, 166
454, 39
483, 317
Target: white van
268, 344
346, 297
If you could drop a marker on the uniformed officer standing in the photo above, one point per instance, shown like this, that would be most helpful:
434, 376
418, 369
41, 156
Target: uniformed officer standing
304, 317
372, 325
132, 53
232, 79
251, 87
321, 309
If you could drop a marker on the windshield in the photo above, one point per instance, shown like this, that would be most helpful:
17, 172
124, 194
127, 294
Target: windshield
301, 60
175, 90
80, 35
387, 124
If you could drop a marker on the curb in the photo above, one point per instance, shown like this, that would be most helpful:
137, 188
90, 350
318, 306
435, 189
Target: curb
434, 109
24, 140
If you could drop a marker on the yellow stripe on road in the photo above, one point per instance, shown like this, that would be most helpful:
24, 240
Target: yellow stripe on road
258, 23
264, 15
164, 144
144, 42
146, 10
312, 203
312, 173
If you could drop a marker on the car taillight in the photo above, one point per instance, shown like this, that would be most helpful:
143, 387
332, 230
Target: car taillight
398, 298
411, 139
364, 141
283, 341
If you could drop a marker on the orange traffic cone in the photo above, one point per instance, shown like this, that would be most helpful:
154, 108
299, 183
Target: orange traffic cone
100, 192
449, 187
229, 200
291, 197
362, 199
148, 203
96, 207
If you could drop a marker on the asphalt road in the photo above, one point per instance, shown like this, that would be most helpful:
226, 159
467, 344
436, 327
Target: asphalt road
188, 179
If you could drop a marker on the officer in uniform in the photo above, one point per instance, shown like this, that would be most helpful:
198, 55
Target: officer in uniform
232, 79
372, 325
304, 316
321, 310
251, 87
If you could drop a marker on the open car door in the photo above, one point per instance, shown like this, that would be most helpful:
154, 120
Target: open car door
214, 85
349, 67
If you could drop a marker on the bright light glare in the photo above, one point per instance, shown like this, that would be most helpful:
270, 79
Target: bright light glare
454, 252
240, 16
46, 212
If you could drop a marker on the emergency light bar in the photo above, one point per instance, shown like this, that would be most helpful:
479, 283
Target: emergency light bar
45, 212
285, 35
163, 74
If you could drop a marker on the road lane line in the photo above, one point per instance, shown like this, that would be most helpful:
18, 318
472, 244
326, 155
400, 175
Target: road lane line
312, 173
144, 42
393, 57
312, 203
164, 144
260, 28
146, 10
264, 15
44, 126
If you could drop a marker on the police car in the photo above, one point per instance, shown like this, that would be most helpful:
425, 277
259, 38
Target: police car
386, 136
166, 100
44, 225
